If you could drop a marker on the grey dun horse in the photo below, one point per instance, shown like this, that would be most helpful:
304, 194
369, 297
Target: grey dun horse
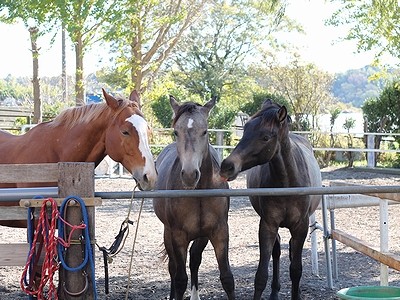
191, 163
276, 158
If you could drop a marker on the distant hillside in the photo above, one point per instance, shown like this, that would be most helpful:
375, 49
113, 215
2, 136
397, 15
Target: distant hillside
354, 86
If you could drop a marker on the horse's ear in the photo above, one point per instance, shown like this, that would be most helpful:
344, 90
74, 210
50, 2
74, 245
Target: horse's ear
174, 104
134, 97
266, 102
210, 104
111, 101
282, 114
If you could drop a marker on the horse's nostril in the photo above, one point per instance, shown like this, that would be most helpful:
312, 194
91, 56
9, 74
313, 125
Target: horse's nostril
227, 166
145, 178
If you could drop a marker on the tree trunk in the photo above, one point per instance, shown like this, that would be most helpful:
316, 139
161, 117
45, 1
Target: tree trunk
79, 83
136, 54
37, 103
63, 66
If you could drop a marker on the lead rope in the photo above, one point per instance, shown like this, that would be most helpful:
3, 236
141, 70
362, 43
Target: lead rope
116, 247
46, 229
134, 239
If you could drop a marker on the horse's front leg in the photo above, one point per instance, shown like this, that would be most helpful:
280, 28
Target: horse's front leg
276, 282
267, 237
220, 242
296, 244
196, 251
169, 249
179, 244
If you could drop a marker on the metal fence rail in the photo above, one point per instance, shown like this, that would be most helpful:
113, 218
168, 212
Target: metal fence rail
13, 194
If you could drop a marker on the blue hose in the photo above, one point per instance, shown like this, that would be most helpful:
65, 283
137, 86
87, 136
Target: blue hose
88, 248
30, 226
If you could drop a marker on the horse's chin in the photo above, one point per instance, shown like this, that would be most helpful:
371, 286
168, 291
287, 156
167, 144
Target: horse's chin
225, 177
189, 185
143, 186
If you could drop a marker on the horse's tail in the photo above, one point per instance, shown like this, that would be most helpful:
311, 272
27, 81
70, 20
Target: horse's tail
163, 253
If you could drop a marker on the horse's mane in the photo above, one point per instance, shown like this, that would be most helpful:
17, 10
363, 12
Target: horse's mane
189, 107
86, 113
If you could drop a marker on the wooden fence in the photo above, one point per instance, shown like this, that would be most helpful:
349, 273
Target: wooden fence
9, 115
72, 179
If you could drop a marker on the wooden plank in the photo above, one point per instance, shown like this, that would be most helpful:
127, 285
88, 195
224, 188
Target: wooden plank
15, 111
12, 213
391, 260
94, 201
386, 196
13, 254
76, 179
23, 173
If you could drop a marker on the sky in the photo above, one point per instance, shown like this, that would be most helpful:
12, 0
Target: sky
317, 46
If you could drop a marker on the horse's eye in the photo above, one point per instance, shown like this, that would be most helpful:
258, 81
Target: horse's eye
125, 132
205, 132
266, 138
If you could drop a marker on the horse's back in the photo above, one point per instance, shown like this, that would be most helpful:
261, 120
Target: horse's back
307, 152
312, 170
164, 165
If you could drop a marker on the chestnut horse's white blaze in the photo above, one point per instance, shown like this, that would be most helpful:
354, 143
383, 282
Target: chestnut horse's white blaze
142, 129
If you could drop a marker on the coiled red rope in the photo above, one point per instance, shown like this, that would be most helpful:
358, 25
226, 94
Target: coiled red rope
46, 228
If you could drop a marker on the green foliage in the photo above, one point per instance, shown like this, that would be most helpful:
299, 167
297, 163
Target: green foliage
304, 86
162, 110
50, 111
158, 101
222, 117
144, 33
15, 88
113, 78
211, 58
383, 113
373, 24
252, 107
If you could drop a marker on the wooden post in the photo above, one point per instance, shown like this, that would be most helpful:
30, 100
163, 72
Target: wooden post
76, 179
371, 155
220, 142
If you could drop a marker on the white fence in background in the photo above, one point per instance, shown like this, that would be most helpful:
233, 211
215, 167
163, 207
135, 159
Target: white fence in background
108, 167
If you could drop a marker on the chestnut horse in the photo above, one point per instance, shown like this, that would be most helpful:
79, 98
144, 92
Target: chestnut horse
280, 159
87, 134
191, 163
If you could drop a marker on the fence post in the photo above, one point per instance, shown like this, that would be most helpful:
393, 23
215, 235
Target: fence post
220, 142
76, 179
370, 154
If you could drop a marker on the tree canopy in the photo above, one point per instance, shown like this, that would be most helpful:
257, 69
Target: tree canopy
374, 25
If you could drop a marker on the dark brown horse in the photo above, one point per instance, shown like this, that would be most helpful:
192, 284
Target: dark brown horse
191, 163
86, 134
277, 159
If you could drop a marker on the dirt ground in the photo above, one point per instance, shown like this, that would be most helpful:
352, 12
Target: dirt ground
149, 277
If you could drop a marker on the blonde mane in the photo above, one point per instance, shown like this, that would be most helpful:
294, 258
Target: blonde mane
73, 116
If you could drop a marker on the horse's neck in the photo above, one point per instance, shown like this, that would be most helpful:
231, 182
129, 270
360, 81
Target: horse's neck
208, 169
284, 164
92, 141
